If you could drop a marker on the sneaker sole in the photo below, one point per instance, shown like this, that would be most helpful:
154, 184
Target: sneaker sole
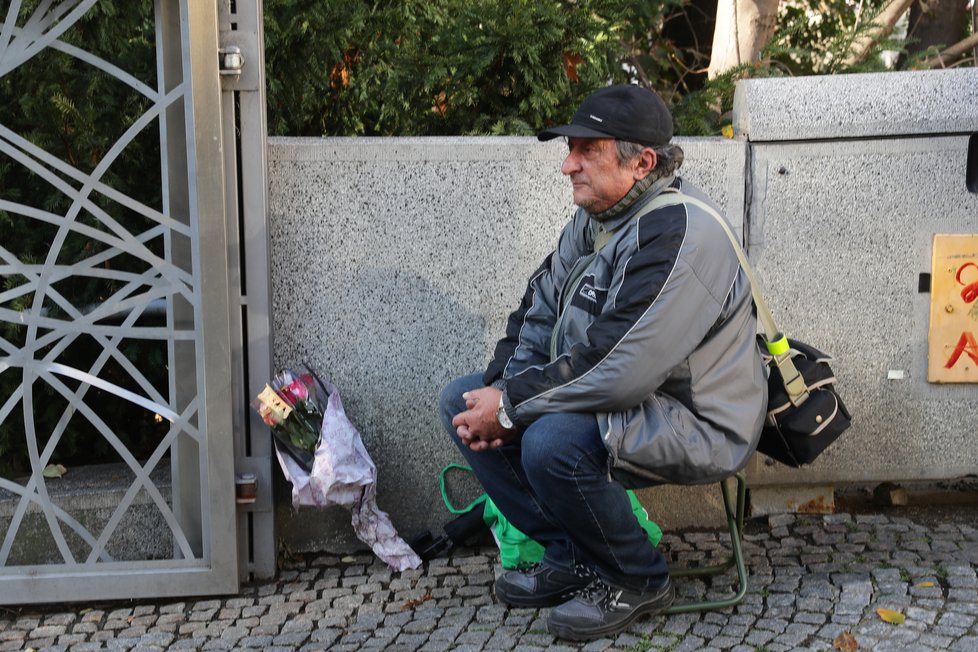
567, 632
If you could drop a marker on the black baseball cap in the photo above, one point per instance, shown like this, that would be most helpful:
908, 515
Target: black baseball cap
624, 112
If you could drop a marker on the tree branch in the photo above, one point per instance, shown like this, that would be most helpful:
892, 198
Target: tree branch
632, 59
883, 26
953, 52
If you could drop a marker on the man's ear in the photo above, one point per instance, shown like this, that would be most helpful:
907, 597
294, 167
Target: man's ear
645, 162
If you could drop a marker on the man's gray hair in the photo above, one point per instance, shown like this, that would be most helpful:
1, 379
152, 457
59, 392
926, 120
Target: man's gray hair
669, 158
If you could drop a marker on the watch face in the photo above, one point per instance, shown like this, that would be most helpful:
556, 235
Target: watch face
503, 418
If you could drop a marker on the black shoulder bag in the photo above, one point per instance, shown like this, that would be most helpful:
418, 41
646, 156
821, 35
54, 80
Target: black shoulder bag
804, 412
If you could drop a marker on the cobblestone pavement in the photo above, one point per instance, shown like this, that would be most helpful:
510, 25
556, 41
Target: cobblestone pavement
813, 581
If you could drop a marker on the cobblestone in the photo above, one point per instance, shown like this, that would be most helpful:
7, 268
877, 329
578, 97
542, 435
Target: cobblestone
811, 579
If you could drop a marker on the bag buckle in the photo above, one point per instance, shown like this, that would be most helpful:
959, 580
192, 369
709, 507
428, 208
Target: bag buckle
794, 383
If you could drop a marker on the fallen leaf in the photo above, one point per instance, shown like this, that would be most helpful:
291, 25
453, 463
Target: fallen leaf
54, 471
890, 616
924, 585
727, 131
348, 559
414, 602
845, 642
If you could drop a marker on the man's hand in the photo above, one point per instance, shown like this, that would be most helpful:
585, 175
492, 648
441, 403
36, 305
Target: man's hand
478, 427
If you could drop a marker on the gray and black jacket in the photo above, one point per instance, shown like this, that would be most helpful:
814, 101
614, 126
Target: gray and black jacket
655, 333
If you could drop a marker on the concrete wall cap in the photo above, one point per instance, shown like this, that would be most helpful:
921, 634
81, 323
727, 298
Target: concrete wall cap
857, 105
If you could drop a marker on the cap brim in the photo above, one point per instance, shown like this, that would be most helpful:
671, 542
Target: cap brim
571, 131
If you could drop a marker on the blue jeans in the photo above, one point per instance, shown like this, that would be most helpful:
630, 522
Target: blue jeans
554, 484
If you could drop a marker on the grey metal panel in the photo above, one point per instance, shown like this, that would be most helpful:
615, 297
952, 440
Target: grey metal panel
200, 514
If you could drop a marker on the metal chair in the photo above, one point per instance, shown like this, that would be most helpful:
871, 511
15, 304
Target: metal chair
735, 524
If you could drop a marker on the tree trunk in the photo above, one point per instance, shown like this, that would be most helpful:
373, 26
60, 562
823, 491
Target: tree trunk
935, 22
743, 29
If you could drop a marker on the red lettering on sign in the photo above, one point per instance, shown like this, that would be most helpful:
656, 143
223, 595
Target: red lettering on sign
970, 291
966, 344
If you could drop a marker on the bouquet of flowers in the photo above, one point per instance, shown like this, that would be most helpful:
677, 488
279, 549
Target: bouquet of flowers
322, 454
293, 405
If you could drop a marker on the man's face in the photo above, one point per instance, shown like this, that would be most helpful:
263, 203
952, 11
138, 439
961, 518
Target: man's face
599, 181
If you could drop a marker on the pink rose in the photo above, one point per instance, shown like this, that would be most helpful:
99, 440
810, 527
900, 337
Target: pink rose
295, 392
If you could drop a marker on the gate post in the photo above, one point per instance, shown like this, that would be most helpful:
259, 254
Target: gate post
207, 472
245, 163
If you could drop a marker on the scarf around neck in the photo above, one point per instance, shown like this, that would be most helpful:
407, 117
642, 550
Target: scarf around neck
637, 190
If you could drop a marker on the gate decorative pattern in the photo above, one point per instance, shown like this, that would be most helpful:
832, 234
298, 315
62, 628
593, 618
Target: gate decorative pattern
118, 291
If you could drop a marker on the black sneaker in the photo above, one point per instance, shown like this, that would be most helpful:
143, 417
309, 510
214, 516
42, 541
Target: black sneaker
536, 585
602, 610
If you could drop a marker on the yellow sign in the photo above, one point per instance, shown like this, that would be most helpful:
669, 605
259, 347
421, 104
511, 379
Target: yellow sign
952, 355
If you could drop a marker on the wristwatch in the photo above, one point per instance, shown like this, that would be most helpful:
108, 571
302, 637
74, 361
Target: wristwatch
504, 419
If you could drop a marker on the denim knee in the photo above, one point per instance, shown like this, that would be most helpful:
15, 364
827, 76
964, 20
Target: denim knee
561, 446
539, 452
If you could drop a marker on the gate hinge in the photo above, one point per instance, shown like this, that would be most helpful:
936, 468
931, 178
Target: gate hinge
239, 60
232, 61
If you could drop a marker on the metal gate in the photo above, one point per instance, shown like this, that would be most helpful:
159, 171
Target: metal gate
123, 317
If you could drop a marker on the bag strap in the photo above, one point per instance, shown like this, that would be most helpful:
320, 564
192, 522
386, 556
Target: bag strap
777, 344
601, 237
444, 491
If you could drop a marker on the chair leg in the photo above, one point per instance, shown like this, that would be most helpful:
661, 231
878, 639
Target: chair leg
735, 524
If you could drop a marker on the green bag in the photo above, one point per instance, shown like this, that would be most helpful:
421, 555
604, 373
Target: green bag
516, 548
